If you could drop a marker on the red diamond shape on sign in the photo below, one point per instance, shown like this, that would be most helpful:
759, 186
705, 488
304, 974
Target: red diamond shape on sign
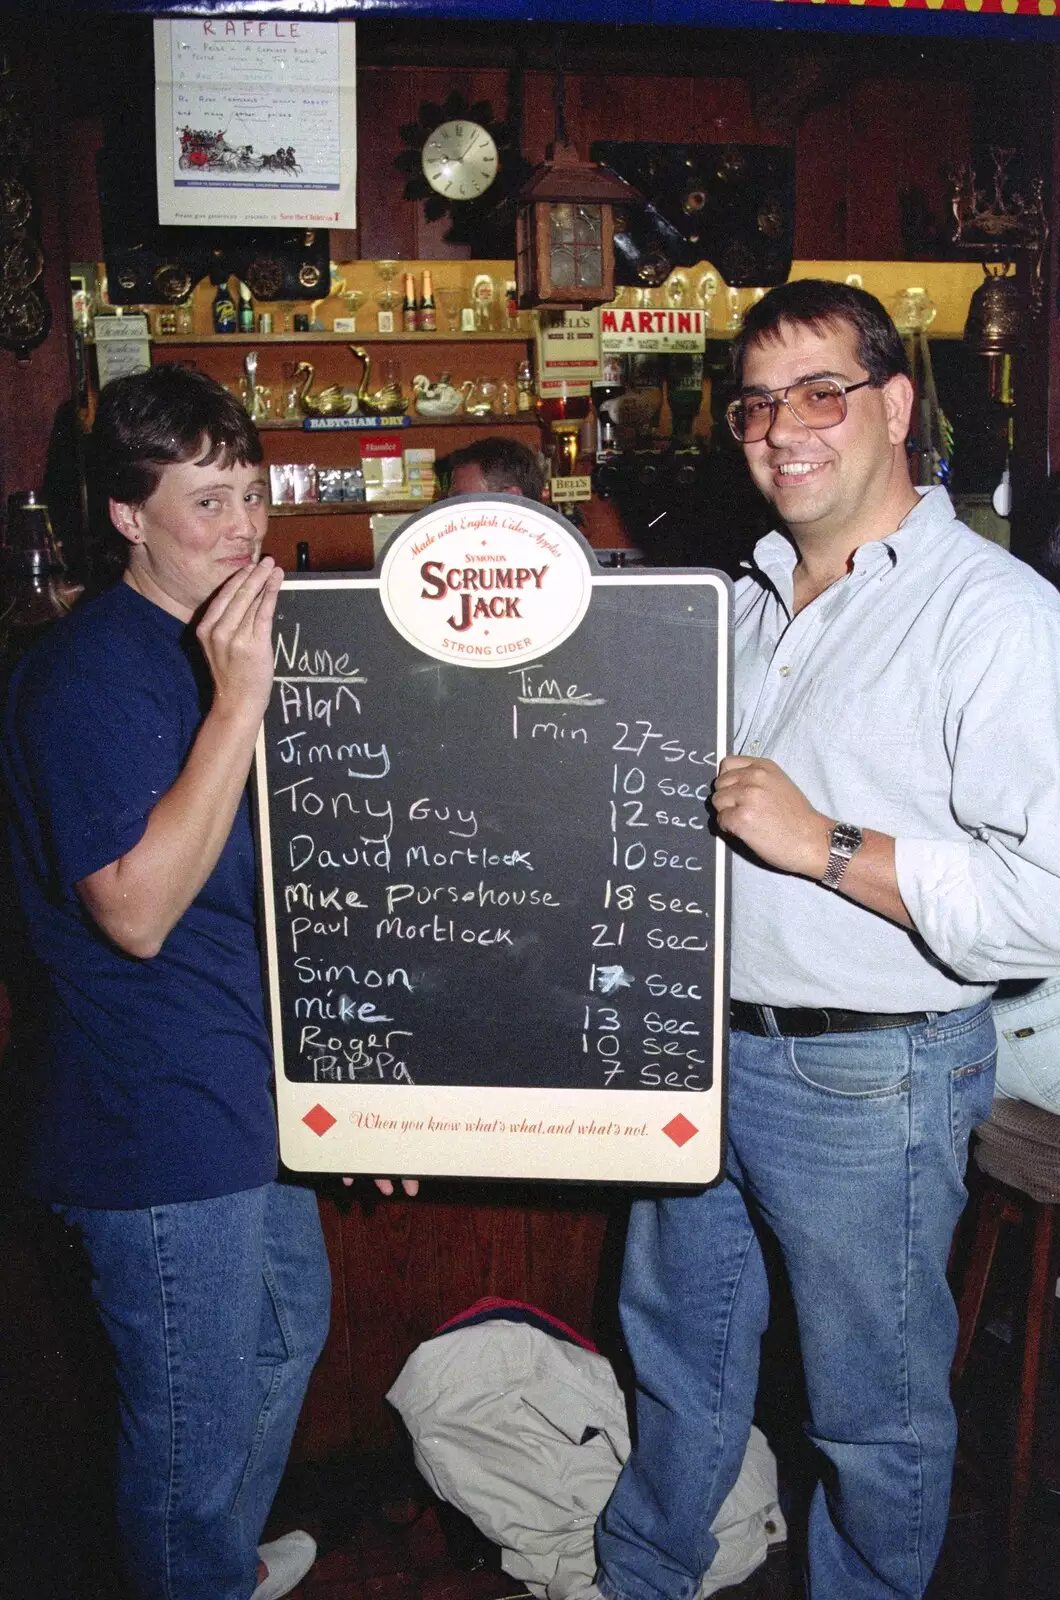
680, 1130
319, 1119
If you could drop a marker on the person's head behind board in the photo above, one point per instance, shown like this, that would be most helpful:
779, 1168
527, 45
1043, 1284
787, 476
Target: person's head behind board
498, 466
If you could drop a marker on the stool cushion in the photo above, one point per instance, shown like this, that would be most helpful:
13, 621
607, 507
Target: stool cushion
1019, 1144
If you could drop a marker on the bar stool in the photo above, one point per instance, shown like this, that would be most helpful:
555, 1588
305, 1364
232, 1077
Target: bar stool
1017, 1150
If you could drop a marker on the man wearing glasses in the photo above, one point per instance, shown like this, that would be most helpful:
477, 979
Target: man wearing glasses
895, 825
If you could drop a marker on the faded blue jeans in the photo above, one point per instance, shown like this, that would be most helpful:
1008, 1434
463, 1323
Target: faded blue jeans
1028, 1047
850, 1149
216, 1311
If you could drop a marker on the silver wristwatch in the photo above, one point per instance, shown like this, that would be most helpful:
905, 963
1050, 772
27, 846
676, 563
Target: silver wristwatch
844, 842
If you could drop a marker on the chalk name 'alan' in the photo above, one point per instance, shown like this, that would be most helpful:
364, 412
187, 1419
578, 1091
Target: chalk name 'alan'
473, 584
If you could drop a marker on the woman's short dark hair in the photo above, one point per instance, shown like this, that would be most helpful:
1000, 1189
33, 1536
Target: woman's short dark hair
168, 414
819, 303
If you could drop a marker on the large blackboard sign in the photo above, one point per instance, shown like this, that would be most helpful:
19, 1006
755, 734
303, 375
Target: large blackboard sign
495, 911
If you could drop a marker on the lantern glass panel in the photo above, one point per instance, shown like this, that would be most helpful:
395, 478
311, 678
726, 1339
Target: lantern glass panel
575, 253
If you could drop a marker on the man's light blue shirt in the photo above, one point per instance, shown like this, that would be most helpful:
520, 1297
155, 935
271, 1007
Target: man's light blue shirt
920, 696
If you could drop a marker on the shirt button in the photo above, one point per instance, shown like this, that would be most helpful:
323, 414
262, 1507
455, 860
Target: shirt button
755, 747
784, 672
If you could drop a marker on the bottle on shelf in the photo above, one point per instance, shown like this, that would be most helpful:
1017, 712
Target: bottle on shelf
684, 390
246, 309
428, 317
511, 306
524, 386
224, 308
605, 390
409, 319
301, 556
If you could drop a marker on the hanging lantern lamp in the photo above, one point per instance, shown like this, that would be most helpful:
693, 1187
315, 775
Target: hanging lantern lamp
564, 232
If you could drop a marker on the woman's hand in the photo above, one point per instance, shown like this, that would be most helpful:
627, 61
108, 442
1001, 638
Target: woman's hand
236, 637
410, 1186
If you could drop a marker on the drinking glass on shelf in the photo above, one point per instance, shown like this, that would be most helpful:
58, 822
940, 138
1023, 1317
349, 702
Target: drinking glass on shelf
706, 290
450, 297
676, 290
388, 299
734, 320
290, 391
354, 299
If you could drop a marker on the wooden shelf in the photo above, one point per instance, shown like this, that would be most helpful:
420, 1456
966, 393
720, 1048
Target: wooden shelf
348, 508
329, 337
519, 419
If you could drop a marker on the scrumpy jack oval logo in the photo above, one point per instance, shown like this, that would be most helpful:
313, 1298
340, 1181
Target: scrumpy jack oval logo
485, 582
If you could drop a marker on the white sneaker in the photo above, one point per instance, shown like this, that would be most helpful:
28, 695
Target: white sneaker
287, 1560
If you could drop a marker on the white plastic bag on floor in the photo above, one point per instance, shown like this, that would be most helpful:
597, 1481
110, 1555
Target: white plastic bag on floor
526, 1435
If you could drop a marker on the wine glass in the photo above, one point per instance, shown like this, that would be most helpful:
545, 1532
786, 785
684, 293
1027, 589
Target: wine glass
706, 289
676, 291
354, 299
451, 298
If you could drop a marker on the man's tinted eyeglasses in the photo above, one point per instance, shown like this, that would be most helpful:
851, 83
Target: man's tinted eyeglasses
821, 403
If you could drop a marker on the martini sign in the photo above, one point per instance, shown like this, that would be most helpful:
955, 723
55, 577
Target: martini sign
660, 332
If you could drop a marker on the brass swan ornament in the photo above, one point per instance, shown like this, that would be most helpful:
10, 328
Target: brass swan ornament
386, 401
329, 402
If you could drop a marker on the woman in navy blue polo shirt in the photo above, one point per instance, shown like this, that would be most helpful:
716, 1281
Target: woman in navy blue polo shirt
127, 745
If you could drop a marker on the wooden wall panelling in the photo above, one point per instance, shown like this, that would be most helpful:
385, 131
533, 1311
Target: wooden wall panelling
873, 165
386, 221
722, 111
82, 140
408, 1266
822, 156
936, 137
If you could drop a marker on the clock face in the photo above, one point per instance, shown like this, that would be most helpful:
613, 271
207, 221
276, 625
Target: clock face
460, 160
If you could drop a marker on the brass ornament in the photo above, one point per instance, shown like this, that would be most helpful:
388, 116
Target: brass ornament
21, 261
264, 278
994, 326
173, 282
25, 315
16, 203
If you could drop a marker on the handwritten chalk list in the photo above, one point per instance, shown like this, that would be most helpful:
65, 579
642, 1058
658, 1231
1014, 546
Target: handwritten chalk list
495, 908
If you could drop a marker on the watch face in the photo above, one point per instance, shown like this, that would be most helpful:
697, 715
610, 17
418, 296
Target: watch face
846, 838
460, 160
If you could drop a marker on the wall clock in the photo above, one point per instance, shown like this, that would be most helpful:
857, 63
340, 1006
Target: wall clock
459, 160
438, 163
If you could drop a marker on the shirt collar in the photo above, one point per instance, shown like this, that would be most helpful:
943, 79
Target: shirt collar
775, 556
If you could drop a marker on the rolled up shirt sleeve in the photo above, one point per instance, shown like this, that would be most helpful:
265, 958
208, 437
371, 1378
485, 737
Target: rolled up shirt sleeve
988, 906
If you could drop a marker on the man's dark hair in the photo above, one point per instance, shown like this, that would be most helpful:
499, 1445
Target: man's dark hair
149, 420
820, 304
505, 464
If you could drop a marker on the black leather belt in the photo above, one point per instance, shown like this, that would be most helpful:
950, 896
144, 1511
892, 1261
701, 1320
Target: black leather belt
808, 1022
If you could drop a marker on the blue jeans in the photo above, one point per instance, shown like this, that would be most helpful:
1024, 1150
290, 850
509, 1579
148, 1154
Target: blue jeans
1028, 1067
850, 1149
216, 1311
